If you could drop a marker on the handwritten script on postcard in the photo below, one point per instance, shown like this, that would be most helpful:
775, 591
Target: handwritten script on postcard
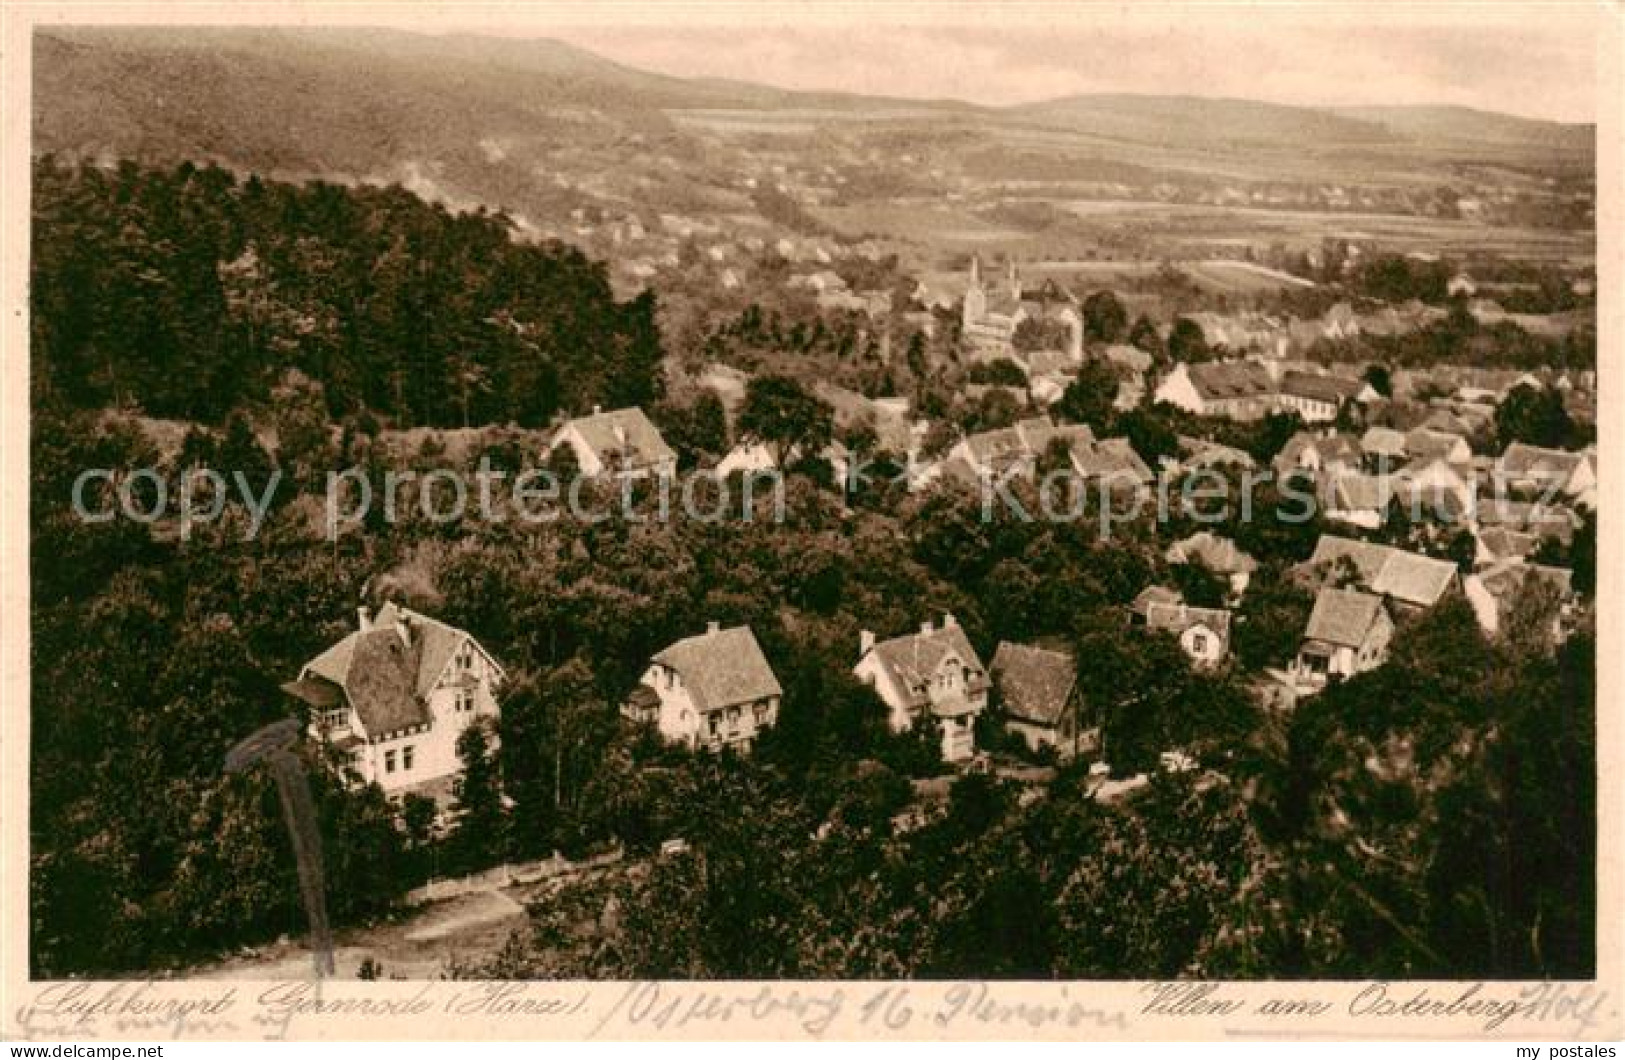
812, 1010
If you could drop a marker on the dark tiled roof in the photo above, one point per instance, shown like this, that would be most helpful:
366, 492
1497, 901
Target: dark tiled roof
317, 691
642, 697
1222, 380
382, 682
1035, 683
1503, 544
1424, 444
1343, 617
1508, 579
388, 670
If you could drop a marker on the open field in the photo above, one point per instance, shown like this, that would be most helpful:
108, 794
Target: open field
1241, 277
1189, 223
1200, 235
947, 226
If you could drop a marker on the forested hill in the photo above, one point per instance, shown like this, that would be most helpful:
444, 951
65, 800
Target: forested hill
187, 292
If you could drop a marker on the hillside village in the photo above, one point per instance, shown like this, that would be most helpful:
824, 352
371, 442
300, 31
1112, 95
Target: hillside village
1298, 683
1477, 525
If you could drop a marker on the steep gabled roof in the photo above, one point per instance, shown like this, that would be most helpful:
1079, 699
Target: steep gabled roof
623, 437
1549, 467
913, 659
388, 669
723, 668
1405, 576
1224, 380
1330, 448
1424, 444
1343, 617
1177, 618
1035, 683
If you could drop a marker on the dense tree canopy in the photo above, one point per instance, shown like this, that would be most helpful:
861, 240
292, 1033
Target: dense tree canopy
1433, 817
1105, 319
188, 292
1534, 415
778, 410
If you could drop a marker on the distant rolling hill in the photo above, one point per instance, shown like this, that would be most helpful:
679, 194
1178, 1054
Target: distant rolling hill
1197, 121
540, 126
353, 101
1466, 125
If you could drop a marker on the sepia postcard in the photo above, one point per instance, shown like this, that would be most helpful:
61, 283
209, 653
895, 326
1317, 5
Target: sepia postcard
811, 521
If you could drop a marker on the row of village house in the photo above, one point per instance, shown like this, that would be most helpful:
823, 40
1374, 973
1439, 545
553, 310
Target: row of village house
1509, 502
393, 696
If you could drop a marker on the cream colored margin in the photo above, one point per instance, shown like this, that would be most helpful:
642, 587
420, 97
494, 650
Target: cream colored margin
1076, 1010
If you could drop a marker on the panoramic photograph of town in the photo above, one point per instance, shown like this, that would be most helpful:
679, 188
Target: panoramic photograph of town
969, 502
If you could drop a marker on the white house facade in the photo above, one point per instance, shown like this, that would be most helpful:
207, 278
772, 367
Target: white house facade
709, 691
930, 677
394, 696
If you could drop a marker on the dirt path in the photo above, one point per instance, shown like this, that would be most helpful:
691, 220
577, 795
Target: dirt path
426, 939
418, 946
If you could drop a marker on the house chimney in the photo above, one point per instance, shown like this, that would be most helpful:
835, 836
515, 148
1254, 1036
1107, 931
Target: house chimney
926, 627
948, 620
597, 409
363, 616
403, 626
713, 628
866, 643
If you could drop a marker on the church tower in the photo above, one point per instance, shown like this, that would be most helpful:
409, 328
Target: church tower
975, 307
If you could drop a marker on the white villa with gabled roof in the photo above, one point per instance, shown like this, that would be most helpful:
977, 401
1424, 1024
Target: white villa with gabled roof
713, 690
929, 677
394, 696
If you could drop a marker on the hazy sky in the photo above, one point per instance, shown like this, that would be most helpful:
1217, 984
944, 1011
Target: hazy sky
1539, 65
